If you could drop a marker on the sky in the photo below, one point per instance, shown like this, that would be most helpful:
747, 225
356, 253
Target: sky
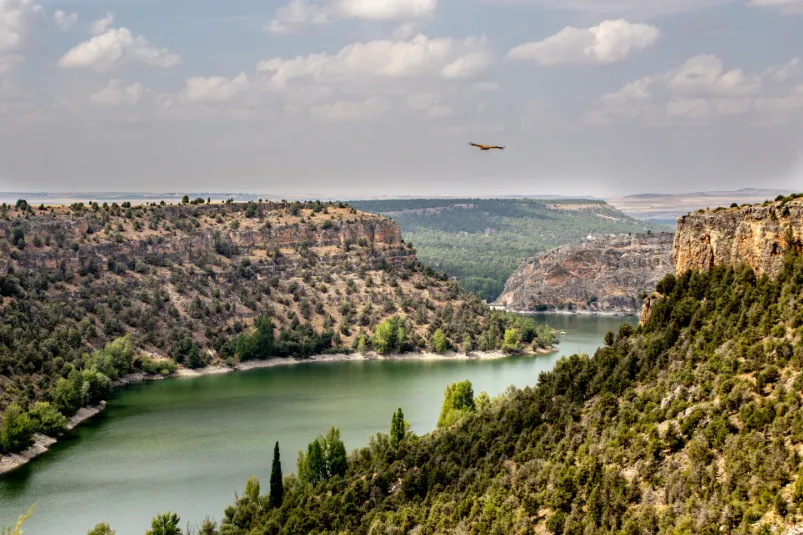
382, 97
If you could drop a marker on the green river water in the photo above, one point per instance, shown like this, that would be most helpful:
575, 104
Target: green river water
188, 444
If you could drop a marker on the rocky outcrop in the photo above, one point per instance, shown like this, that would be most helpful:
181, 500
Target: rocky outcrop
603, 275
758, 235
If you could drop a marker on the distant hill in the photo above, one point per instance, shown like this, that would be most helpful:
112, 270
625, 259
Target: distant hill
666, 208
608, 274
481, 242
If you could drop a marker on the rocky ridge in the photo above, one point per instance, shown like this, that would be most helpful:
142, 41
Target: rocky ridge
759, 235
603, 275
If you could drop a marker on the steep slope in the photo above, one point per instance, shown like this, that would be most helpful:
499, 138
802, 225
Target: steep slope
759, 235
89, 294
608, 274
481, 242
691, 424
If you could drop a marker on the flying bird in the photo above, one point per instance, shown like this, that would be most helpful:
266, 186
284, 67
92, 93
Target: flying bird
486, 147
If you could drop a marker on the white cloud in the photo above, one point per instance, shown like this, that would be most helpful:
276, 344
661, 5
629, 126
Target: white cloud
15, 21
421, 56
117, 94
468, 65
213, 89
387, 9
702, 89
65, 21
790, 7
299, 13
116, 47
295, 14
610, 41
640, 9
346, 110
405, 31
100, 26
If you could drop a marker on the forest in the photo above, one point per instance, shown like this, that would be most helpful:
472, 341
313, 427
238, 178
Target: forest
481, 242
688, 424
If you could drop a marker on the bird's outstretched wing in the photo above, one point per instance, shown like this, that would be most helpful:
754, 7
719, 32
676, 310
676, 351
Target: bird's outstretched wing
478, 145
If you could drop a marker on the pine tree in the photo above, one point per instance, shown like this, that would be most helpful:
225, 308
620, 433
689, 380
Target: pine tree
276, 485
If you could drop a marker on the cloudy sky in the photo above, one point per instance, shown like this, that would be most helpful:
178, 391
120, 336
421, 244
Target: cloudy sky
381, 97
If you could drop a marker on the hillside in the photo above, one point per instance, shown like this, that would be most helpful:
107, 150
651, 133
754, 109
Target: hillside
689, 424
481, 242
90, 294
609, 274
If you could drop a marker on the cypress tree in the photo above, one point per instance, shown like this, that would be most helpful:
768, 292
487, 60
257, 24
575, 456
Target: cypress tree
276, 485
397, 427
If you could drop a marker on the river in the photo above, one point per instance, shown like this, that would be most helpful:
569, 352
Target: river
187, 444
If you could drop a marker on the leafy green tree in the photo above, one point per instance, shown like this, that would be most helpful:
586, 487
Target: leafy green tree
165, 524
511, 344
467, 346
259, 343
439, 344
458, 399
101, 529
252, 489
398, 428
336, 462
17, 429
276, 484
46, 418
390, 336
185, 199
609, 338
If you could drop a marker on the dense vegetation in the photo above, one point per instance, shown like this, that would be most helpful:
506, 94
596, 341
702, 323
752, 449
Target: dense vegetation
90, 294
482, 241
689, 424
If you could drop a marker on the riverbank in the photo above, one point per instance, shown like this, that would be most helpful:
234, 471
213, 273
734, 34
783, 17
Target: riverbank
42, 442
605, 313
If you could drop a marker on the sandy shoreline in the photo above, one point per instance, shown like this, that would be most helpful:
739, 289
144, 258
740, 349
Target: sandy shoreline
42, 442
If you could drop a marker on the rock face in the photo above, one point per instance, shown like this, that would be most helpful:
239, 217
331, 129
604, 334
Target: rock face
758, 235
605, 275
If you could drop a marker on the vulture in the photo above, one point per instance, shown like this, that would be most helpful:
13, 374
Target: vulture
486, 147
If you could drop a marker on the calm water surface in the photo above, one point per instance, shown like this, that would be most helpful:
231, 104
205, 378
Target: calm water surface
188, 444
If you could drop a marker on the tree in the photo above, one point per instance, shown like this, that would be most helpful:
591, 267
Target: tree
252, 489
511, 344
46, 418
458, 399
609, 338
336, 462
467, 346
17, 430
165, 524
18, 238
185, 199
397, 428
276, 485
102, 529
390, 336
439, 342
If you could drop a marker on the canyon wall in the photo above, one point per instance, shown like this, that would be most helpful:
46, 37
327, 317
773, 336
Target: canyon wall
605, 275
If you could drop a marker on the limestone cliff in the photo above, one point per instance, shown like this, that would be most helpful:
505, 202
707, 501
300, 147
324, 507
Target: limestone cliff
607, 275
758, 235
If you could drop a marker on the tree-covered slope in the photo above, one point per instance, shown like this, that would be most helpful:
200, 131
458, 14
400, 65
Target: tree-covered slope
89, 294
690, 424
483, 241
